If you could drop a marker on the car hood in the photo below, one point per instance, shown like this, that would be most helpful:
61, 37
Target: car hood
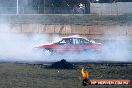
47, 45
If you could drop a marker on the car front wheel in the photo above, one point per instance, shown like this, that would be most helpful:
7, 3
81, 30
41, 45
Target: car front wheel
48, 52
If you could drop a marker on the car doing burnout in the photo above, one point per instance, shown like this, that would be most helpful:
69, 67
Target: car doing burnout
70, 45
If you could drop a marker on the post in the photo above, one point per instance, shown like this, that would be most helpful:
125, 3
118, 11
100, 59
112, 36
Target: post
38, 10
44, 6
17, 7
87, 7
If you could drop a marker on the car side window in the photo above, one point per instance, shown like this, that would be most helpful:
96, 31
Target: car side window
62, 41
65, 41
84, 41
69, 41
76, 41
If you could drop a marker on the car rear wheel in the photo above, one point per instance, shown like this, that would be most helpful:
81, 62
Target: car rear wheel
48, 52
88, 50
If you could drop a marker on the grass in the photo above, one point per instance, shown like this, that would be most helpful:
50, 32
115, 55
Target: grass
34, 76
23, 76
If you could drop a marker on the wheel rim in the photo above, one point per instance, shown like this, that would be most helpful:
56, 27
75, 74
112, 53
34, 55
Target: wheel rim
47, 52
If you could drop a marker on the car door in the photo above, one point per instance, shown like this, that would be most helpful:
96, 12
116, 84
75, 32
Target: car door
85, 44
64, 46
76, 47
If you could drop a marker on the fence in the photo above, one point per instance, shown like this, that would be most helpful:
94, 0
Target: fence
111, 8
39, 10
96, 8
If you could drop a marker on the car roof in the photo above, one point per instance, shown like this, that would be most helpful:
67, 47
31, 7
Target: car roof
75, 37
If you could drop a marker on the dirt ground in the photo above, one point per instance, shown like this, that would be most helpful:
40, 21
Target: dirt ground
37, 76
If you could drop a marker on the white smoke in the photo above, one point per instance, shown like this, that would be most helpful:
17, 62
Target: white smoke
19, 47
116, 50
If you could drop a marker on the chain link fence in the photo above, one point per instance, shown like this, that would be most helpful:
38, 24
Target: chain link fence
93, 8
41, 10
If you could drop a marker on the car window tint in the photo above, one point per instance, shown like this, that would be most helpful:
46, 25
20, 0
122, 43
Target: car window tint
84, 41
62, 42
66, 41
69, 41
76, 41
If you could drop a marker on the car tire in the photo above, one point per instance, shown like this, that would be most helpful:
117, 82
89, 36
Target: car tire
48, 52
88, 50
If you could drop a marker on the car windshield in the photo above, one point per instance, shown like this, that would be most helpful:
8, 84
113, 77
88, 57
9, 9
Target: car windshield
66, 41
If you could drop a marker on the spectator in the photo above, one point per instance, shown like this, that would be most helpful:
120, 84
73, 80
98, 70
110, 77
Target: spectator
82, 8
75, 9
